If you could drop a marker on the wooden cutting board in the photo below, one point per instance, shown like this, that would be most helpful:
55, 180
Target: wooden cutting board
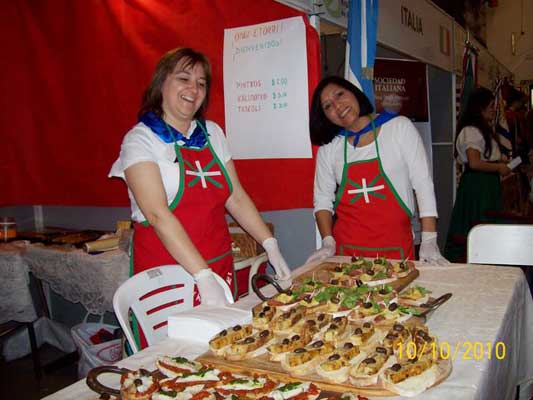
263, 366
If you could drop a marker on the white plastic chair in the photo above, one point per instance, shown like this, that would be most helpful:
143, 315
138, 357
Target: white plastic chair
254, 263
500, 244
152, 296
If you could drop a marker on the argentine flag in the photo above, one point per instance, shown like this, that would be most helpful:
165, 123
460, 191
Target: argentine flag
361, 45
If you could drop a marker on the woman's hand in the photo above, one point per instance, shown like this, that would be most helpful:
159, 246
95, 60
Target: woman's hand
429, 251
327, 250
211, 290
503, 169
283, 272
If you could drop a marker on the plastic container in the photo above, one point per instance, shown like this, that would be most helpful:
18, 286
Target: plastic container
8, 229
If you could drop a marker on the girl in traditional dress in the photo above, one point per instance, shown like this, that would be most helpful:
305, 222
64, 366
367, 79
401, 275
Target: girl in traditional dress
476, 147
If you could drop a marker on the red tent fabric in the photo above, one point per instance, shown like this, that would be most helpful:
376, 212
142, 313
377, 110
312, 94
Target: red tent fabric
73, 75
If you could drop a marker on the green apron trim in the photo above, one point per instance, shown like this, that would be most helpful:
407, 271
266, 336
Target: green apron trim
131, 252
182, 162
227, 253
222, 167
377, 249
382, 172
396, 195
133, 320
135, 328
188, 164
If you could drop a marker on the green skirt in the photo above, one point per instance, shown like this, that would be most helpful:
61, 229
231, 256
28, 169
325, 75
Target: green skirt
478, 193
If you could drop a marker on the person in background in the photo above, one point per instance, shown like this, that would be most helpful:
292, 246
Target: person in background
516, 120
476, 147
366, 169
181, 180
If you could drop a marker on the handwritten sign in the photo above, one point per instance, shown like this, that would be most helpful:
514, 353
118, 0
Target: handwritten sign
266, 91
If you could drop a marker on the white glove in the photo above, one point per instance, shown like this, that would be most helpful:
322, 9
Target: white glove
429, 251
283, 273
327, 250
211, 290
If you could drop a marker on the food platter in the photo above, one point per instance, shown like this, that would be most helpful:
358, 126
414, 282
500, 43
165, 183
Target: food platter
262, 365
303, 332
330, 335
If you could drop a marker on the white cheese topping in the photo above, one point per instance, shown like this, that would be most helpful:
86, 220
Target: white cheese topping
282, 392
202, 376
244, 384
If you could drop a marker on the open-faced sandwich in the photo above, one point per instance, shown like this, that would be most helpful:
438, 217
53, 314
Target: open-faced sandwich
337, 330
245, 387
397, 336
337, 366
364, 335
394, 312
286, 322
250, 346
262, 314
194, 382
367, 311
184, 395
303, 360
384, 293
351, 396
283, 346
224, 339
138, 385
367, 372
376, 276
401, 269
424, 341
284, 301
174, 366
294, 391
410, 377
414, 296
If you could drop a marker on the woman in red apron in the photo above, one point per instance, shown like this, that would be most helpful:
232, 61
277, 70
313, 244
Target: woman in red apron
353, 178
181, 182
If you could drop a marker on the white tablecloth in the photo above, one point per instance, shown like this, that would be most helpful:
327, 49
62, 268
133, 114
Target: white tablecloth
15, 298
80, 277
489, 305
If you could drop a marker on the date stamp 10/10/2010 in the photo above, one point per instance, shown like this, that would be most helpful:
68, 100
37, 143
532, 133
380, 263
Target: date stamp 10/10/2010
443, 350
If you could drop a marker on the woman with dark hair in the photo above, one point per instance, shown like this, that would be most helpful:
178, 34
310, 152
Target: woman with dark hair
366, 170
181, 180
476, 147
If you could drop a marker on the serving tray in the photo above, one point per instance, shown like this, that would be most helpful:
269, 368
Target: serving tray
263, 366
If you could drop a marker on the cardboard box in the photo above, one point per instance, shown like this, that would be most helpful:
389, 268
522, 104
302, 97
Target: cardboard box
242, 244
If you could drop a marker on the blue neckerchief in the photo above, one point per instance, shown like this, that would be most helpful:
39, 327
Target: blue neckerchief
170, 135
385, 116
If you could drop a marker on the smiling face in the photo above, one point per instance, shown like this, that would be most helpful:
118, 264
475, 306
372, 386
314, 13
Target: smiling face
489, 113
183, 92
340, 106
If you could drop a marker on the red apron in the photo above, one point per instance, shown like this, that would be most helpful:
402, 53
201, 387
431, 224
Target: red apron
199, 205
371, 217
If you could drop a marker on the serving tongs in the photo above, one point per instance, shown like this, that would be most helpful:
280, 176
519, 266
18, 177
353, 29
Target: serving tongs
431, 306
259, 277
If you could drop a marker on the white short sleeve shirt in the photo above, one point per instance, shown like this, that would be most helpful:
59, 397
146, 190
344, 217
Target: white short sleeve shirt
404, 160
470, 137
142, 144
